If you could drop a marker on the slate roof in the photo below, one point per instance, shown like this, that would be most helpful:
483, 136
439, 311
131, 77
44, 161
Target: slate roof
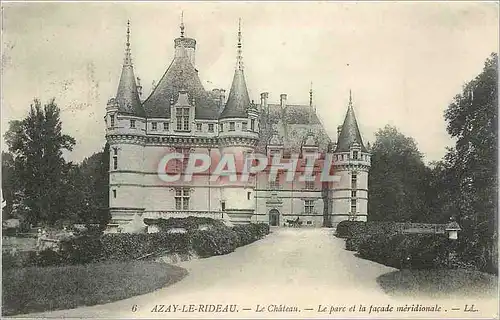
238, 100
180, 75
350, 132
293, 123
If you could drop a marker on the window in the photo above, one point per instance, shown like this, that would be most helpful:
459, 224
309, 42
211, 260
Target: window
198, 126
310, 185
223, 205
181, 199
244, 126
252, 124
112, 120
154, 126
210, 127
115, 158
249, 195
354, 181
182, 118
353, 206
221, 127
355, 155
275, 185
132, 123
309, 222
114, 193
166, 126
308, 206
353, 194
231, 126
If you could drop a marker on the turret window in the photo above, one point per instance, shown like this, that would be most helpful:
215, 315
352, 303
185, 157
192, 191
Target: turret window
354, 181
353, 206
115, 158
353, 194
252, 124
154, 126
112, 120
231, 126
244, 126
132, 123
210, 127
182, 119
181, 199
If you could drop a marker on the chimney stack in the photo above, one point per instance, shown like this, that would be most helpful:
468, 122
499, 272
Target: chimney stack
263, 99
283, 97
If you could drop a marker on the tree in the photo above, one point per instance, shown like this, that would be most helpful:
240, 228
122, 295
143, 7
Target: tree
398, 179
472, 120
9, 184
37, 143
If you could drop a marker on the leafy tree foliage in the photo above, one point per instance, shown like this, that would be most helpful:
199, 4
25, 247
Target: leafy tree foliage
397, 179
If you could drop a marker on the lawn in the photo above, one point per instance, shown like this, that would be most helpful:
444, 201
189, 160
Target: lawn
37, 289
439, 283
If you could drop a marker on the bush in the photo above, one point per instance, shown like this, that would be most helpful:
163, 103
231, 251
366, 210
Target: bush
345, 228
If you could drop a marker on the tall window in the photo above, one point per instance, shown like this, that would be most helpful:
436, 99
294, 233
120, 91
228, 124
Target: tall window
252, 124
166, 126
182, 118
132, 123
221, 127
112, 120
210, 127
353, 206
114, 193
198, 127
181, 199
223, 205
244, 126
154, 126
115, 158
308, 206
354, 181
249, 195
231, 126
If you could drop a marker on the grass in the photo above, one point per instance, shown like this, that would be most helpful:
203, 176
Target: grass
37, 289
439, 283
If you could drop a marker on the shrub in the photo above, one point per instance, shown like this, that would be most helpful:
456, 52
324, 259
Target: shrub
345, 228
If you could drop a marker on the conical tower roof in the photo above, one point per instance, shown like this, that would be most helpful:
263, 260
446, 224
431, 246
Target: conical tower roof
350, 131
127, 95
238, 100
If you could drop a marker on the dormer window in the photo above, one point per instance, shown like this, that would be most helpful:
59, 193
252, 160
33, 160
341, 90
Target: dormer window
166, 126
210, 127
231, 126
198, 127
112, 120
182, 119
132, 123
221, 127
355, 155
154, 126
244, 126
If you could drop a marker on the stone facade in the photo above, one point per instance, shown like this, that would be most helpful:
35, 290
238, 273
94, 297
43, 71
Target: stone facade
179, 116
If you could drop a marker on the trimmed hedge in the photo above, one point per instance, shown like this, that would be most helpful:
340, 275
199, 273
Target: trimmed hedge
217, 240
345, 228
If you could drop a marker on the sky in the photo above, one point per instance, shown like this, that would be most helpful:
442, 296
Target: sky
403, 61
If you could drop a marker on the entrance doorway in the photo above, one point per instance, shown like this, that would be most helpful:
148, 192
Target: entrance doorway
274, 217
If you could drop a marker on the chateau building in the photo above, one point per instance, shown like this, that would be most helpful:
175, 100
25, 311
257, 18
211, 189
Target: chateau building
180, 116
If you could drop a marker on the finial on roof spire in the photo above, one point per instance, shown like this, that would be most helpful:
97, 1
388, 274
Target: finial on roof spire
350, 98
128, 58
182, 24
311, 95
239, 57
